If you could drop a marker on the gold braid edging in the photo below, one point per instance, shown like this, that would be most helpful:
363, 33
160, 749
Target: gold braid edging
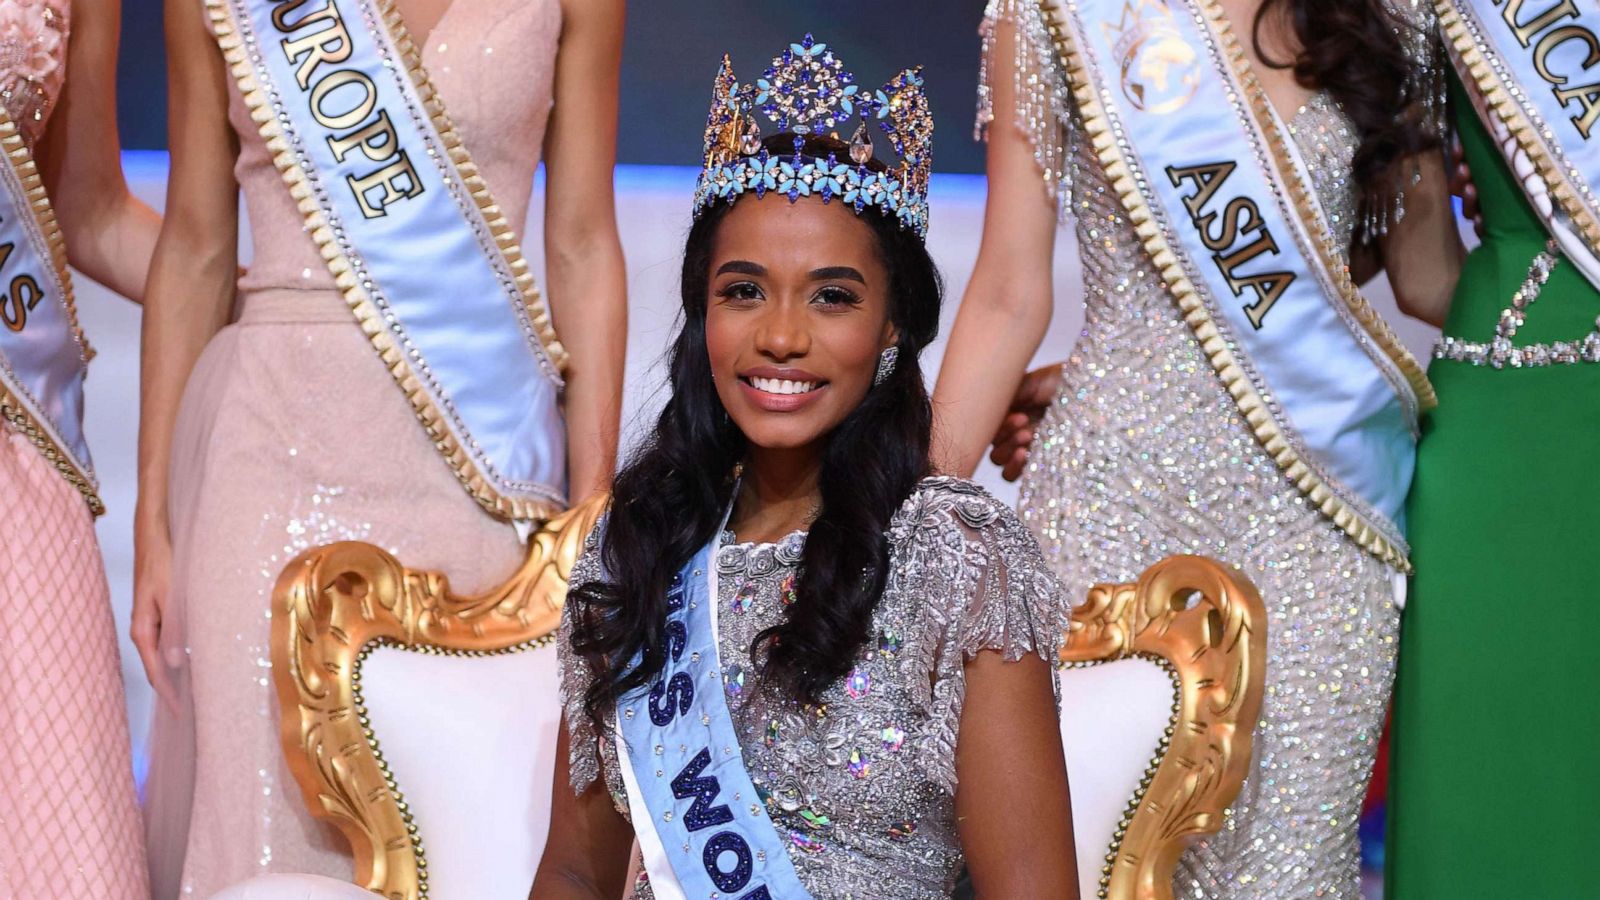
1234, 379
228, 37
12, 409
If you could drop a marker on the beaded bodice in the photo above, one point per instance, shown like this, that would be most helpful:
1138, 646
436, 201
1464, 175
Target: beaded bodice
33, 60
862, 789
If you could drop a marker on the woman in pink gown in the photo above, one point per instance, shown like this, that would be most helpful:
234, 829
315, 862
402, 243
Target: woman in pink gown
68, 817
271, 426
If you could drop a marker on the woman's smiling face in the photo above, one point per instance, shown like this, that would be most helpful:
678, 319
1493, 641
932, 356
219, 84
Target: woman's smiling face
797, 316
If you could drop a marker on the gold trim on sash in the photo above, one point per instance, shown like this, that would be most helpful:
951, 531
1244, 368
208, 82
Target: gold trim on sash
12, 409
360, 302
1268, 432
1473, 66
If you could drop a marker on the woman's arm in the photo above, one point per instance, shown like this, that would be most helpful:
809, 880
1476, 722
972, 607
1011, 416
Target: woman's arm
189, 295
588, 287
1012, 804
586, 855
1007, 307
1423, 252
110, 234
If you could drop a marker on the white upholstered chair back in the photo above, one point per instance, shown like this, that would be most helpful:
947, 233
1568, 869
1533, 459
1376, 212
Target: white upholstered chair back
421, 723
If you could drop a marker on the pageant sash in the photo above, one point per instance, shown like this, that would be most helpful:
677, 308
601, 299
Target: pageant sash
1536, 65
425, 259
43, 356
1224, 207
702, 827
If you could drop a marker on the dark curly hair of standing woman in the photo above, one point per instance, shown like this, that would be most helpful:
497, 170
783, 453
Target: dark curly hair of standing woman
1361, 52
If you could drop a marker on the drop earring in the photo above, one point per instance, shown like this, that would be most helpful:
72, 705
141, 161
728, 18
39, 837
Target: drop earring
886, 361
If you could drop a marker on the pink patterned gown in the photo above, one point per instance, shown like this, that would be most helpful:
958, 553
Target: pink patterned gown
69, 824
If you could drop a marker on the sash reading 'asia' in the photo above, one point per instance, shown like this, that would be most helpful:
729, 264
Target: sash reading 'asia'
43, 357
702, 828
1224, 206
425, 259
1536, 64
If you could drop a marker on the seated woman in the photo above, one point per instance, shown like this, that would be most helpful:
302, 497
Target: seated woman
804, 665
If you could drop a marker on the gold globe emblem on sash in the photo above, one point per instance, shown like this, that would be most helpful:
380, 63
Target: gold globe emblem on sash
1160, 70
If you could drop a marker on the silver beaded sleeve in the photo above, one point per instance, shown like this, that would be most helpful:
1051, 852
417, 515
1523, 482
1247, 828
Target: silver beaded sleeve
1043, 107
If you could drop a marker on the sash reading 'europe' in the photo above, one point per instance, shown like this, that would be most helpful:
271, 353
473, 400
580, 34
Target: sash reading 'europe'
43, 358
424, 258
1225, 209
1536, 63
702, 828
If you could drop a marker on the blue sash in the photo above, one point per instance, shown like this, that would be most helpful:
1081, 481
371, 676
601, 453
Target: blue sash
702, 828
43, 356
423, 255
1536, 65
1224, 206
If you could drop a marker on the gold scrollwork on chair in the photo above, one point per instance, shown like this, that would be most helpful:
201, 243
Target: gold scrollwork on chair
1206, 626
331, 606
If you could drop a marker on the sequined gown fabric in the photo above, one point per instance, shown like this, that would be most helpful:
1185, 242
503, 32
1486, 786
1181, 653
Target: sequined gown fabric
863, 792
1144, 455
292, 434
69, 821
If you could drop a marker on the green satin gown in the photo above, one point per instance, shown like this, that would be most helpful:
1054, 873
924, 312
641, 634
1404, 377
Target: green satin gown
1495, 785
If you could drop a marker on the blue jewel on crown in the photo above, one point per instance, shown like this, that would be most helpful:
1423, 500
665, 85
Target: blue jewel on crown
806, 91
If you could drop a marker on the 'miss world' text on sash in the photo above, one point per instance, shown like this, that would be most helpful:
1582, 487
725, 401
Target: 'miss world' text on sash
1222, 201
430, 269
701, 825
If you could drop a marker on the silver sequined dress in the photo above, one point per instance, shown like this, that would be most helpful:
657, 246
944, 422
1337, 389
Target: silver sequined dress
863, 791
1144, 455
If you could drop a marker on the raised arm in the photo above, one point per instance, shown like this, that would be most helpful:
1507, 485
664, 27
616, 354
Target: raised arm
1007, 306
586, 855
587, 281
110, 234
1012, 803
189, 295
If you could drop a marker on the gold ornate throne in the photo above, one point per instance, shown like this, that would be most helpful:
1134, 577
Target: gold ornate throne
397, 697
407, 716
1161, 686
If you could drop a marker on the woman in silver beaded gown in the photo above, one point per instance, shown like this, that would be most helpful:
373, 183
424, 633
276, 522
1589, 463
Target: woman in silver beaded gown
787, 639
1133, 450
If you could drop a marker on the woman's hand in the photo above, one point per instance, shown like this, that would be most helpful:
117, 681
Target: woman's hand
1015, 435
1461, 186
152, 582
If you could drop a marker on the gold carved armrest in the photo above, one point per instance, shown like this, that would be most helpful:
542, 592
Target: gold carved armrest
1205, 624
331, 606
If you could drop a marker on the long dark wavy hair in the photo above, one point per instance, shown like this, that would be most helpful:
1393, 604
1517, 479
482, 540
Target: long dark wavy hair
669, 499
1356, 51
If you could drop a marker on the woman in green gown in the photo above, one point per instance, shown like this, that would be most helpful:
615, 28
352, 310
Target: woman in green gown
1497, 707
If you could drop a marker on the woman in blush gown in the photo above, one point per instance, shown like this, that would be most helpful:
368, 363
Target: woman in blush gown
271, 425
69, 824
